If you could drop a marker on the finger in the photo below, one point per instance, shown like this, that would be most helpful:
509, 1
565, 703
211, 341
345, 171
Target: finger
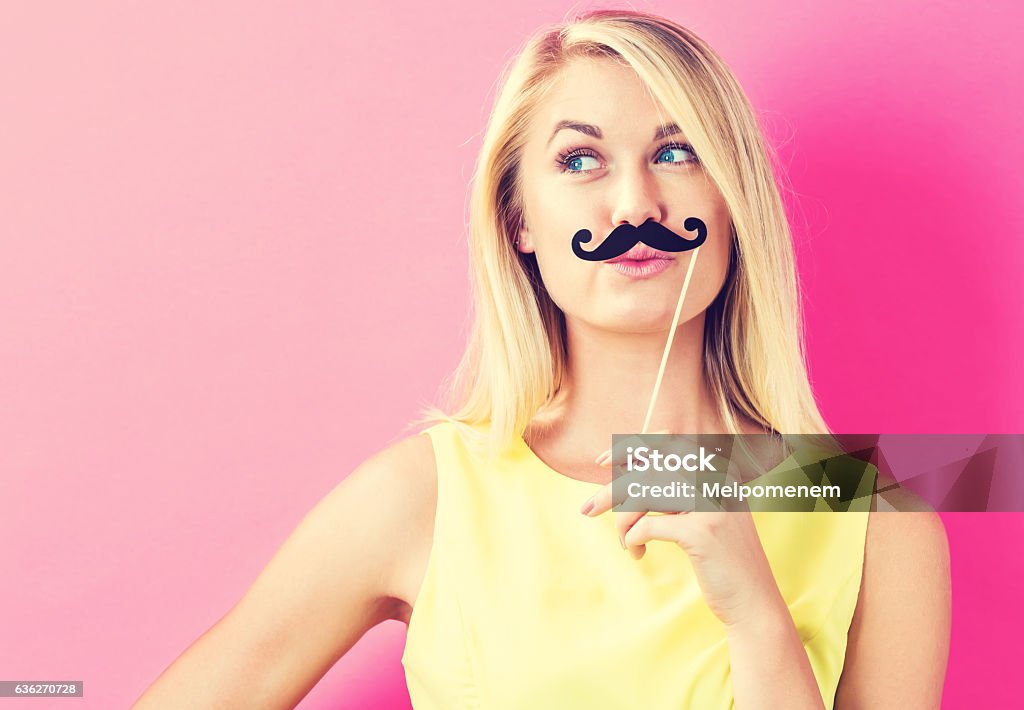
605, 499
599, 502
669, 527
623, 522
609, 495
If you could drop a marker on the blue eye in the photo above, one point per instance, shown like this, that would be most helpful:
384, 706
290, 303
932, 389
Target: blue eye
572, 161
682, 148
575, 163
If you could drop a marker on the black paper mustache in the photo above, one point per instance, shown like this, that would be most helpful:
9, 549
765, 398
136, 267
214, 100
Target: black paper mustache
652, 233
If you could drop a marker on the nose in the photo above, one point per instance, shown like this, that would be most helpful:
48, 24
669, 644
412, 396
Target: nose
636, 199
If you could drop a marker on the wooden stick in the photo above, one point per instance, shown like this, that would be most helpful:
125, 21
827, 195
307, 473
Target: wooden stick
668, 344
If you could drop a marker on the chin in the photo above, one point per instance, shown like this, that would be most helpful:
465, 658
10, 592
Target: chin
640, 318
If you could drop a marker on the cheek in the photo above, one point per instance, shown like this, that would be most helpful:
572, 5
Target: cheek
566, 278
716, 250
716, 268
710, 271
718, 255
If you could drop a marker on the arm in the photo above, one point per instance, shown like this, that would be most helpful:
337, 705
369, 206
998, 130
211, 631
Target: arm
342, 571
898, 643
899, 637
768, 664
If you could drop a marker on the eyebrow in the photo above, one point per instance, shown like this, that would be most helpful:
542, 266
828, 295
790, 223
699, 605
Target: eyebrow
667, 129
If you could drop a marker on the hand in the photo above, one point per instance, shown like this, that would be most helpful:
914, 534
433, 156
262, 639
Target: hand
724, 549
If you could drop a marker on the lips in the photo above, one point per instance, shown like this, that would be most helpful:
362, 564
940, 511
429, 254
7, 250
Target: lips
646, 269
641, 253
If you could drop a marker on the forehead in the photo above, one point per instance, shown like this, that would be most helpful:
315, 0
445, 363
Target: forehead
603, 92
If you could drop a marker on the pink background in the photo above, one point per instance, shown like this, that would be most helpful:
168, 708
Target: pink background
205, 325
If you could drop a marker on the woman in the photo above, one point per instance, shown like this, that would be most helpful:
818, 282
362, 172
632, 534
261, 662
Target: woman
471, 532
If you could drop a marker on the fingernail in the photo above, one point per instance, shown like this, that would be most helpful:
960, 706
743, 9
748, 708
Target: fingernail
603, 457
587, 507
622, 541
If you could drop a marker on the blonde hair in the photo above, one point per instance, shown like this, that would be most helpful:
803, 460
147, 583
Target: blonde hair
515, 359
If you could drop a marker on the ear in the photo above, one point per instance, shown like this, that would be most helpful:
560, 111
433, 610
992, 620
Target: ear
525, 244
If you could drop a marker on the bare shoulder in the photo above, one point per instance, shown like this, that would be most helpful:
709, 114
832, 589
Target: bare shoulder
907, 535
400, 486
407, 463
906, 561
898, 643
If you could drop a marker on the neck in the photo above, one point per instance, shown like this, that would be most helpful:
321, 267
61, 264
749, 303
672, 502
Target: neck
610, 378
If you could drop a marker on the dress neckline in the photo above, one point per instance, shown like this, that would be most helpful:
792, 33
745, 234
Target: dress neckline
551, 472
540, 463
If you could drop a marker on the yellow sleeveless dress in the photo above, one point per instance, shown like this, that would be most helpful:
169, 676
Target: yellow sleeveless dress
526, 604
